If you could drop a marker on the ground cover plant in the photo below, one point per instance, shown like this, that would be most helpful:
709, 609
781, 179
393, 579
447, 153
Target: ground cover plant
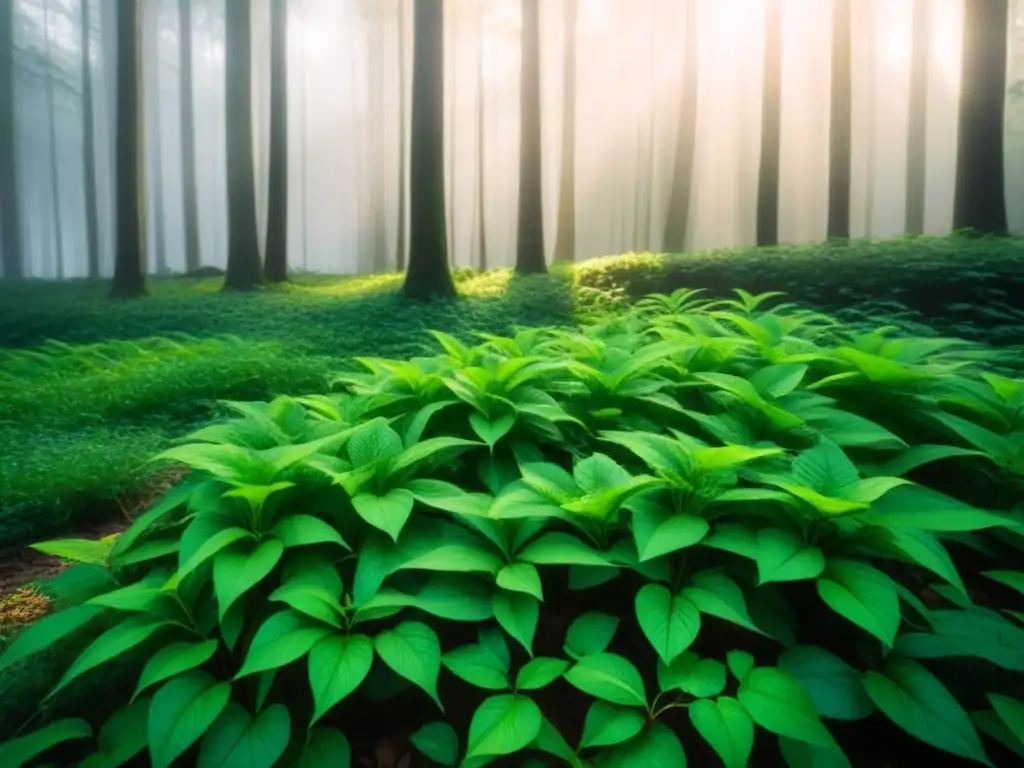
715, 530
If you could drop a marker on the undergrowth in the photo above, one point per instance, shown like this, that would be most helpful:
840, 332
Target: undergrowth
704, 529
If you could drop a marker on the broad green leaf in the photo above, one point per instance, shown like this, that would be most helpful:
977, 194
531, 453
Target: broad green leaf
285, 637
229, 463
670, 623
181, 712
121, 738
478, 666
140, 596
609, 677
503, 725
305, 530
540, 673
607, 725
373, 442
552, 742
90, 551
454, 557
22, 750
449, 497
599, 473
975, 632
235, 740
864, 595
1012, 579
446, 596
47, 631
1011, 712
326, 748
521, 577
492, 431
727, 727
914, 699
236, 572
560, 549
834, 686
800, 754
493, 640
434, 448
413, 651
782, 557
174, 659
310, 599
388, 513
926, 550
591, 632
550, 480
733, 537
173, 500
740, 663
778, 703
338, 664
658, 745
717, 595
915, 506
658, 532
693, 675
517, 614
438, 742
257, 495
209, 548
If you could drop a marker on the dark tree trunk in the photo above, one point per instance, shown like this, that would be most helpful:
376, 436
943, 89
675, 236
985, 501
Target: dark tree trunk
840, 128
190, 198
245, 271
277, 207
92, 219
375, 107
129, 275
58, 219
403, 189
917, 131
771, 120
428, 274
10, 226
682, 179
565, 235
980, 185
530, 257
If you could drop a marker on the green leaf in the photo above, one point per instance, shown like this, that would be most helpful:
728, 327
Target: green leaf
778, 703
326, 748
560, 549
1012, 579
1011, 712
413, 651
518, 615
914, 699
915, 506
607, 725
926, 550
310, 599
209, 548
740, 663
727, 727
47, 631
121, 738
540, 673
181, 712
388, 513
174, 659
782, 557
670, 623
521, 577
306, 530
658, 745
283, 638
693, 675
590, 633
550, 480
20, 751
235, 573
435, 448
373, 442
437, 742
864, 595
90, 551
658, 532
552, 742
338, 664
449, 497
717, 595
478, 666
492, 431
834, 686
733, 537
609, 677
800, 754
599, 473
237, 741
503, 725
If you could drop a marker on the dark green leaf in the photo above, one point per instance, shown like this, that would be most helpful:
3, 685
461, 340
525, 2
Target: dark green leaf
338, 664
864, 595
727, 727
181, 712
607, 725
438, 742
20, 751
413, 651
670, 623
518, 615
834, 686
609, 677
778, 703
591, 632
539, 673
235, 740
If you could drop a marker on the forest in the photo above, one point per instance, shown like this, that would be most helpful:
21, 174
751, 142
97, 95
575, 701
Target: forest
590, 383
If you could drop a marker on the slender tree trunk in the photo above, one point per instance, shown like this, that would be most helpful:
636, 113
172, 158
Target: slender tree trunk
481, 154
428, 273
92, 223
771, 119
677, 223
840, 128
403, 189
277, 206
917, 137
565, 235
10, 226
378, 200
245, 271
190, 197
129, 274
51, 105
980, 185
530, 256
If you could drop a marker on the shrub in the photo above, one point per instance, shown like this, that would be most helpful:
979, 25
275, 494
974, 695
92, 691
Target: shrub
704, 526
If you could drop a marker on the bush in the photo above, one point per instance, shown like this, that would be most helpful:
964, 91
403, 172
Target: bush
703, 528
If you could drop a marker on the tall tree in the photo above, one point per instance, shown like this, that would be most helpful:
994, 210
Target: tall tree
277, 205
403, 119
189, 193
565, 234
917, 137
530, 257
840, 122
481, 155
92, 219
771, 128
245, 270
682, 176
51, 105
129, 273
980, 202
428, 273
10, 227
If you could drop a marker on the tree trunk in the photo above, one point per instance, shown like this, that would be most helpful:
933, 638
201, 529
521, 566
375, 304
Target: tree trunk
481, 155
565, 235
980, 185
190, 197
10, 226
129, 275
676, 224
530, 257
428, 273
917, 132
771, 120
92, 221
840, 128
58, 220
277, 205
245, 271
403, 190
376, 109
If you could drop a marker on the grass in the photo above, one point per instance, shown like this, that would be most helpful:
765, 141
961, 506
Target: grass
91, 388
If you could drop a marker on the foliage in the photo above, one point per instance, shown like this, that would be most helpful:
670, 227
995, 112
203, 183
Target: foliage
756, 517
